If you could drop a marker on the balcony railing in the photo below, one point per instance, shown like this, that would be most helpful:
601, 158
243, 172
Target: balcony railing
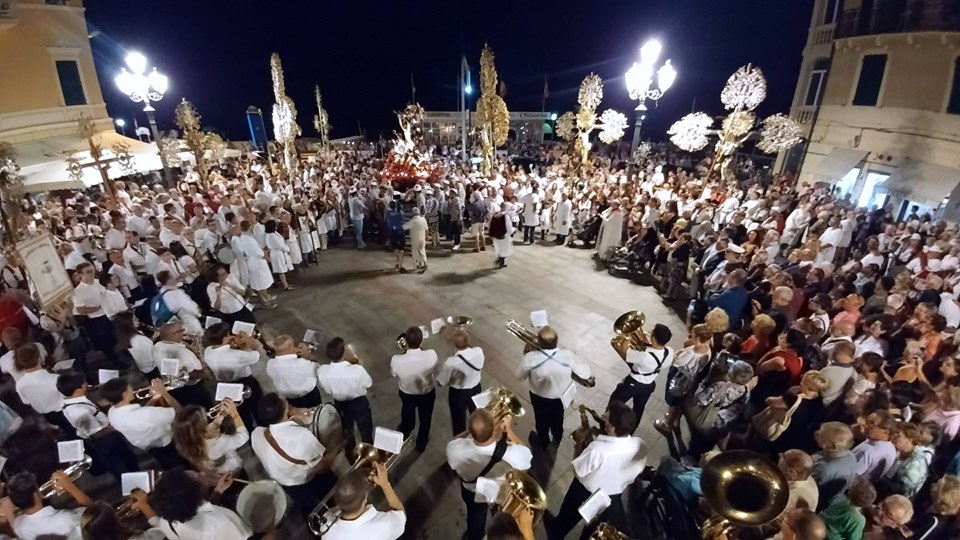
900, 16
804, 115
822, 34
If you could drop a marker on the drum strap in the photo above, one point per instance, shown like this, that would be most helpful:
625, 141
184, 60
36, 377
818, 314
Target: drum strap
276, 446
465, 361
497, 457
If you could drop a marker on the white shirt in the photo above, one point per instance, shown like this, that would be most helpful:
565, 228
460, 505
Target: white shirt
950, 310
870, 258
212, 522
343, 380
224, 448
646, 365
184, 308
550, 377
867, 344
357, 209
230, 300
125, 275
49, 520
297, 442
163, 350
84, 416
73, 260
39, 390
230, 364
89, 296
114, 239
415, 370
610, 463
292, 376
141, 349
872, 455
113, 303
458, 373
371, 524
468, 459
138, 224
144, 426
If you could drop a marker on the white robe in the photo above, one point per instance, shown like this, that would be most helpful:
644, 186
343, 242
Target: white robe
418, 239
795, 223
258, 271
611, 230
239, 265
504, 247
563, 220
280, 260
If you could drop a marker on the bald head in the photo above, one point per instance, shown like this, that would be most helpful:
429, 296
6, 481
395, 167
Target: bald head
461, 340
547, 338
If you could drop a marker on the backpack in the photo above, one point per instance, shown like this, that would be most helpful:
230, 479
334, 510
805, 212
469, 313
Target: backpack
159, 310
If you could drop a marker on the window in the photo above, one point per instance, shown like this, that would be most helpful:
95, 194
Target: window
70, 83
818, 78
56, 2
953, 102
831, 11
872, 68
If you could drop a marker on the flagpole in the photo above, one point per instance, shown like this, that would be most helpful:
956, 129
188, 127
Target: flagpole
544, 108
463, 109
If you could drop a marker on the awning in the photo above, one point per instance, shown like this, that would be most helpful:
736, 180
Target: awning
547, 128
187, 157
922, 182
44, 167
838, 163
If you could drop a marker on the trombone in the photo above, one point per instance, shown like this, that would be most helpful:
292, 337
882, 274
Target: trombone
531, 343
49, 488
171, 383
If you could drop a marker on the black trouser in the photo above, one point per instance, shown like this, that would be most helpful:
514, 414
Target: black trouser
307, 496
445, 226
548, 418
310, 399
168, 458
455, 231
111, 453
148, 285
568, 516
244, 315
476, 514
413, 406
193, 394
248, 409
58, 419
529, 233
102, 337
561, 238
356, 411
460, 403
629, 389
143, 310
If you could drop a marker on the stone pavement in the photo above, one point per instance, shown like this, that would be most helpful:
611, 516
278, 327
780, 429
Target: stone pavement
357, 295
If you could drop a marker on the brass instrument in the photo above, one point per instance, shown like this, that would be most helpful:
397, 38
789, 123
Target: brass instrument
523, 493
171, 383
459, 322
531, 343
504, 404
585, 434
630, 334
365, 455
217, 409
49, 488
743, 490
606, 531
402, 343
126, 509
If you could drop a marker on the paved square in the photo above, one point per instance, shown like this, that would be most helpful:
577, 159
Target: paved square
357, 295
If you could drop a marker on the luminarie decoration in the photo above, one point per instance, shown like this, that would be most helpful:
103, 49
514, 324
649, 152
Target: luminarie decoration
321, 121
205, 147
745, 90
124, 157
577, 126
406, 161
493, 118
285, 128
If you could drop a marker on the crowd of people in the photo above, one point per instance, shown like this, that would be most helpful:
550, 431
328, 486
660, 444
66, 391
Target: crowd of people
821, 336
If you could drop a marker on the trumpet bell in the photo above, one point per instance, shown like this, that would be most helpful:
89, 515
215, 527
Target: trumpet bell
523, 492
629, 322
505, 403
744, 488
364, 454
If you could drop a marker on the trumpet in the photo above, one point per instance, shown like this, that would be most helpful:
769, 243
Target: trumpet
606, 531
171, 383
402, 343
319, 522
74, 471
218, 409
126, 508
531, 343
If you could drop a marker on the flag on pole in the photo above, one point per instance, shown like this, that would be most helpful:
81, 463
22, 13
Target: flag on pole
503, 89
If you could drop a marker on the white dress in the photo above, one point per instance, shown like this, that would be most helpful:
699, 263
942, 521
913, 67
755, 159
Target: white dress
504, 247
296, 256
280, 260
563, 219
239, 265
258, 271
611, 231
308, 243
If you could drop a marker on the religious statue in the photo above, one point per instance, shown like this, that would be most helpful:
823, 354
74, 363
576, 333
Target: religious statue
493, 118
285, 128
577, 127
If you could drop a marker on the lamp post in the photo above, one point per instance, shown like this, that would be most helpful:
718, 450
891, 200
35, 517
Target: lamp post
640, 85
120, 124
145, 88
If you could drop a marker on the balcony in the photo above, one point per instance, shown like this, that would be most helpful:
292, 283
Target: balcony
822, 34
900, 16
804, 115
8, 14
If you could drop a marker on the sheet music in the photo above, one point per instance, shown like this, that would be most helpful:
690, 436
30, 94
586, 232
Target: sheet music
482, 399
211, 320
594, 505
135, 480
538, 318
245, 327
388, 440
105, 375
70, 451
233, 391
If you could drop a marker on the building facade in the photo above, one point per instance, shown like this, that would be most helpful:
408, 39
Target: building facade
879, 98
443, 127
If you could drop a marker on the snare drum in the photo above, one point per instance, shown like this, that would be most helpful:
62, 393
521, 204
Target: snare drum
326, 425
261, 505
226, 255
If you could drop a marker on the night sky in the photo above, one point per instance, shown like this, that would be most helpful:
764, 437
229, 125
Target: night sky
362, 53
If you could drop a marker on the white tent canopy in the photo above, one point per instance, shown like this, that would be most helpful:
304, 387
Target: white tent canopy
838, 163
922, 182
187, 157
44, 167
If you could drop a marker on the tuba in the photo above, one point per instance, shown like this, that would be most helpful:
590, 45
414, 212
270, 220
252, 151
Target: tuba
532, 343
630, 334
743, 490
606, 531
522, 493
504, 404
74, 471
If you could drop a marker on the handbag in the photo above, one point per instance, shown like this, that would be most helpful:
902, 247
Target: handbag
702, 417
771, 422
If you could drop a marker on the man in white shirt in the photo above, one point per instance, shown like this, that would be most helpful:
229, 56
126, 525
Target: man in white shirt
462, 373
415, 372
88, 304
115, 238
180, 511
34, 519
295, 378
137, 222
170, 346
475, 453
531, 213
230, 358
347, 383
645, 366
549, 370
609, 463
227, 298
292, 455
179, 303
148, 427
357, 210
354, 518
830, 241
71, 258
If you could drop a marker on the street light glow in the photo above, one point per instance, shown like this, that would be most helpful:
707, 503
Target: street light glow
665, 76
140, 87
468, 89
120, 122
553, 117
650, 52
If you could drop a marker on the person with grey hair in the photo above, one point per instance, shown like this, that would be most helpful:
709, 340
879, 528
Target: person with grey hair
418, 239
716, 405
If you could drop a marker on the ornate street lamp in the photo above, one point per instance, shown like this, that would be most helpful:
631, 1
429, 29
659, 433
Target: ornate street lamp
144, 88
640, 84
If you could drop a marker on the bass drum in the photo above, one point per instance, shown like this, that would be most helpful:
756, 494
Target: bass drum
262, 504
326, 426
226, 255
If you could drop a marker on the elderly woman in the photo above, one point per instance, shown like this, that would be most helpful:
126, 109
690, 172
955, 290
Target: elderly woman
797, 466
834, 466
689, 364
759, 343
808, 412
713, 408
939, 521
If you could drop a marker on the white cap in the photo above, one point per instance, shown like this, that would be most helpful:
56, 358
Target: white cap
417, 188
734, 248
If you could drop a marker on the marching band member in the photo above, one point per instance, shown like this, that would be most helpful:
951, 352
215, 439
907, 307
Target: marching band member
129, 284
475, 453
462, 372
357, 517
181, 512
230, 359
227, 298
144, 261
295, 378
347, 383
137, 345
291, 455
610, 462
148, 427
179, 302
171, 346
548, 369
37, 387
88, 304
414, 370
36, 520
645, 365
209, 445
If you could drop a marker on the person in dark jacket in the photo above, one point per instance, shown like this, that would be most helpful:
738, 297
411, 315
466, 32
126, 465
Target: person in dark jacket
734, 300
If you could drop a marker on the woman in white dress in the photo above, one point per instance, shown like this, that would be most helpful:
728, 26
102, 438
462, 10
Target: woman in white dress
305, 234
291, 236
280, 261
563, 219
